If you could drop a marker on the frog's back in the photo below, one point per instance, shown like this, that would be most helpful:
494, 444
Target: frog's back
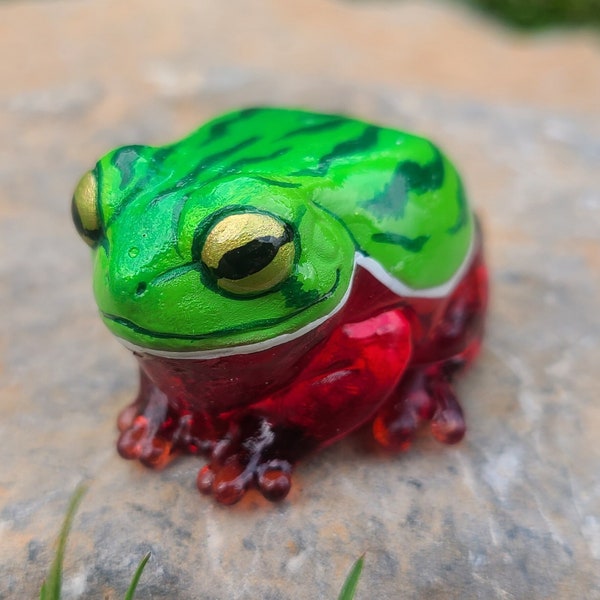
399, 197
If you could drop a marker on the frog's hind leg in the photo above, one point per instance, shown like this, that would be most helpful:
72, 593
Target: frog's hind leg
426, 392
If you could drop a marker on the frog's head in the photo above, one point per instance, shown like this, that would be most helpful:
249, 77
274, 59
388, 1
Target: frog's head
183, 267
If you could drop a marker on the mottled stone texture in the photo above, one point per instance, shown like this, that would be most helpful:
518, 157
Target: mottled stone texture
512, 512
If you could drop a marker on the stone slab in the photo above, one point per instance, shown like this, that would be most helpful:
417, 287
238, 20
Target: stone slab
512, 512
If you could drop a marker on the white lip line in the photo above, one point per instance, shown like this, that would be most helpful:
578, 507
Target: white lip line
367, 263
245, 349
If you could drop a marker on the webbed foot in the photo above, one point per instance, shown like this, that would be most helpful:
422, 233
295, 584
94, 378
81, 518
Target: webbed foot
150, 431
423, 395
252, 455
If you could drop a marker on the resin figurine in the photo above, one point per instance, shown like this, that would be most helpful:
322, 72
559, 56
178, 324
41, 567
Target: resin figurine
284, 277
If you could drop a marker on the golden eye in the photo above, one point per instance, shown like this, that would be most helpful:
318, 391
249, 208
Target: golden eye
249, 253
84, 209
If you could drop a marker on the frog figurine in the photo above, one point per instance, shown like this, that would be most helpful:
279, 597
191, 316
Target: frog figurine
283, 278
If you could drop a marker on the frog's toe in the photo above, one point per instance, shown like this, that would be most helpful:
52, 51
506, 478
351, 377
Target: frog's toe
160, 453
274, 479
205, 479
396, 424
394, 430
227, 483
448, 423
139, 442
133, 441
230, 483
127, 416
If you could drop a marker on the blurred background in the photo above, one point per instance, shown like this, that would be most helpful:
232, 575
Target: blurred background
536, 14
511, 91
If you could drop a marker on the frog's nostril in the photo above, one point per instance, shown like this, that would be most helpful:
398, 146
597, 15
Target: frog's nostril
141, 288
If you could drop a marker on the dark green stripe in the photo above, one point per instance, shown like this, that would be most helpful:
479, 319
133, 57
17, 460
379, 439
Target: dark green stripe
409, 176
283, 184
162, 154
258, 159
316, 128
360, 144
221, 128
103, 241
174, 272
410, 244
295, 295
175, 216
212, 159
423, 178
192, 177
124, 160
140, 185
364, 142
343, 224
230, 170
392, 200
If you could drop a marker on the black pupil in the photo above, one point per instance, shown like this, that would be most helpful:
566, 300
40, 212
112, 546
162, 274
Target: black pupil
251, 257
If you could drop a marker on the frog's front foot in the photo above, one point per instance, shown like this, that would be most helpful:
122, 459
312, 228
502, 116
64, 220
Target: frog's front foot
425, 394
252, 455
148, 433
140, 441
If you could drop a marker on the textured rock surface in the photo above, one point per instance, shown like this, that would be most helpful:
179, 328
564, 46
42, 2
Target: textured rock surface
512, 512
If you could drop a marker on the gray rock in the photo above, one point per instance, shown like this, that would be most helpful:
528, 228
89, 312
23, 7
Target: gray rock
511, 512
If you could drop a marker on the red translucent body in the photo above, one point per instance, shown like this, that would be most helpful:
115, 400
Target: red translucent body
382, 359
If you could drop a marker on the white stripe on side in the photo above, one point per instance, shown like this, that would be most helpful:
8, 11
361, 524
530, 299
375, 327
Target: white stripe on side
365, 262
390, 282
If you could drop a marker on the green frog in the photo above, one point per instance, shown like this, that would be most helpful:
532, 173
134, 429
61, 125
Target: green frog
284, 277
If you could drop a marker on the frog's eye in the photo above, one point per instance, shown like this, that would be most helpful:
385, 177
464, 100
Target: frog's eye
84, 209
249, 253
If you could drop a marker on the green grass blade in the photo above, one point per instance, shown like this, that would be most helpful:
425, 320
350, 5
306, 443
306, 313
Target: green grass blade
351, 582
136, 577
52, 585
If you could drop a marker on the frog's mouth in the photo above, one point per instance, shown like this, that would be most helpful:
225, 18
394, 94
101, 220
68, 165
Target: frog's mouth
226, 331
